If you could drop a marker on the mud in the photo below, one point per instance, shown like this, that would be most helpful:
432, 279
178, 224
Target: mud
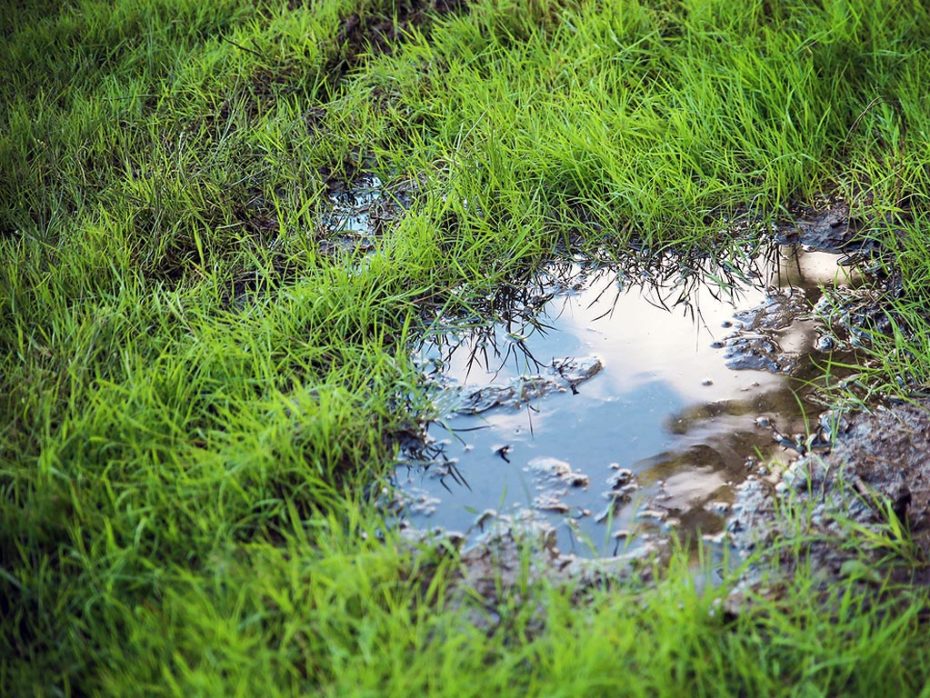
775, 335
868, 496
825, 226
517, 552
563, 374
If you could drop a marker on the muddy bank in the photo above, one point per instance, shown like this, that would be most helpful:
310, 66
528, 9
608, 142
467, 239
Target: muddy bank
868, 497
856, 484
516, 553
565, 430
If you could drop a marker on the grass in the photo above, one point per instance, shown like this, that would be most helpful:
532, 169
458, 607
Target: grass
184, 478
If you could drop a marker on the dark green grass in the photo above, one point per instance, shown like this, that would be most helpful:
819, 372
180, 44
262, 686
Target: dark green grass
184, 479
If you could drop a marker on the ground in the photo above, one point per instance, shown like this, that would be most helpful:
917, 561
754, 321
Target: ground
200, 389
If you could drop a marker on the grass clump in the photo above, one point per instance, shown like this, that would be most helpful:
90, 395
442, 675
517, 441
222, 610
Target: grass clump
185, 479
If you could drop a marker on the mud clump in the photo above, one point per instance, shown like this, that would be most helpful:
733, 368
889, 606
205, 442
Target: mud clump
829, 226
757, 344
861, 314
877, 474
884, 456
566, 374
829, 229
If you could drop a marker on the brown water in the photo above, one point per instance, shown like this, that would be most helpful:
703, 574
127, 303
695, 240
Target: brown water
604, 406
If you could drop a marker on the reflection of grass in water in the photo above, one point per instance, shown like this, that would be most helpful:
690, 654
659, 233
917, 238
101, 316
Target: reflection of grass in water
185, 484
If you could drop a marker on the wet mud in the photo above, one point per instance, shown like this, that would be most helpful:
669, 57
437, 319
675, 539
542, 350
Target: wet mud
863, 507
826, 226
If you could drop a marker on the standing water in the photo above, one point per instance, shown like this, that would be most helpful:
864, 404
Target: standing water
611, 409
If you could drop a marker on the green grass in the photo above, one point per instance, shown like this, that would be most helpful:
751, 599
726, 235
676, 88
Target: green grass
184, 479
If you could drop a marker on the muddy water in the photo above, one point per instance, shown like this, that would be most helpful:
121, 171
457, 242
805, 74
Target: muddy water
607, 408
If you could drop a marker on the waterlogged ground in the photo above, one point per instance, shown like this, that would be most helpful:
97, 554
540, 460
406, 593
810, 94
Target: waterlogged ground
615, 408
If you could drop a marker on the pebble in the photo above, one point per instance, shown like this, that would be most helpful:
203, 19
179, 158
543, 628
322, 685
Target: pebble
719, 508
654, 514
623, 476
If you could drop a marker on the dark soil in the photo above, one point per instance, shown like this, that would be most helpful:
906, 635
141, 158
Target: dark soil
379, 33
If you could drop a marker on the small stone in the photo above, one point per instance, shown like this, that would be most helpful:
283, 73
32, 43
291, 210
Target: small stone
763, 422
652, 514
623, 476
706, 382
577, 480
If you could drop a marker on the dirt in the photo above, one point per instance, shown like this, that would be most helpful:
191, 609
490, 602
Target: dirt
875, 478
826, 226
758, 342
519, 551
361, 33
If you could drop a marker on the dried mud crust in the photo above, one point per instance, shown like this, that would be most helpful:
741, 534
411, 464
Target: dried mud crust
877, 471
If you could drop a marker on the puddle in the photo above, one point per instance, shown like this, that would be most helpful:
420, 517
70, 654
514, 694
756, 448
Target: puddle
359, 211
609, 408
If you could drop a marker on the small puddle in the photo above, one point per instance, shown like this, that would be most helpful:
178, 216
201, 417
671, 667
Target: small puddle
359, 211
609, 407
